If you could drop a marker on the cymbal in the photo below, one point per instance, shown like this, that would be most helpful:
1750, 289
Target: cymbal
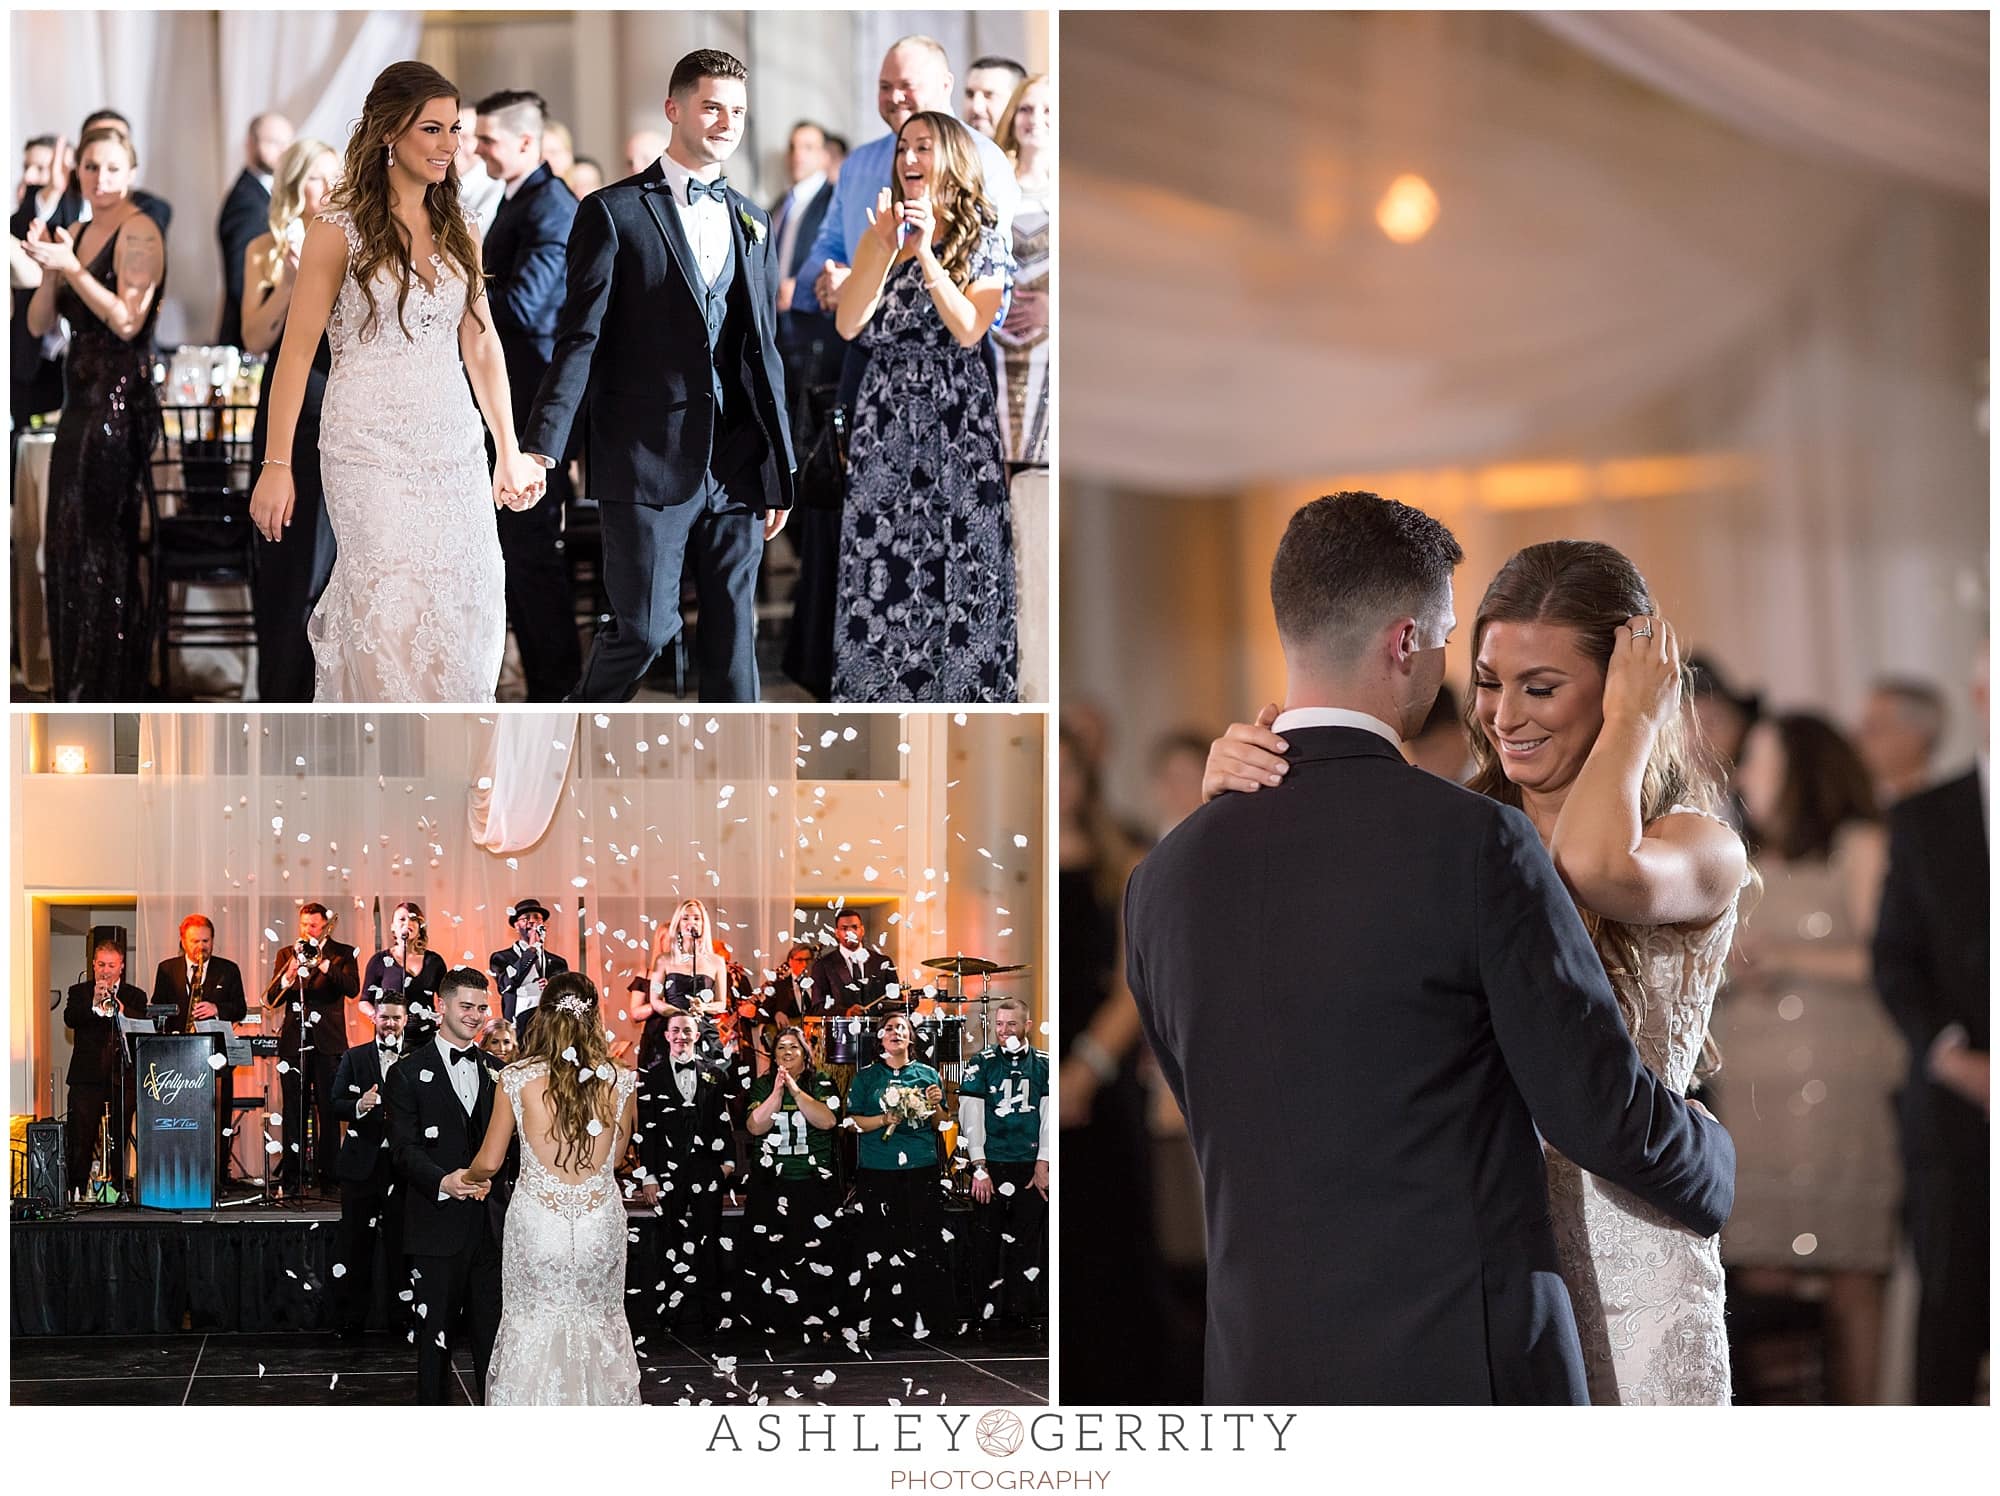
969, 966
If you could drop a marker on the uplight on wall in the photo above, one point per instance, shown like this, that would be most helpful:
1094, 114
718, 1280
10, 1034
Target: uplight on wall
1407, 210
70, 760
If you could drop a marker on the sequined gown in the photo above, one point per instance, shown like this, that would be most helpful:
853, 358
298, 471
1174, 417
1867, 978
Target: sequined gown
564, 1340
98, 470
926, 603
1646, 1290
416, 609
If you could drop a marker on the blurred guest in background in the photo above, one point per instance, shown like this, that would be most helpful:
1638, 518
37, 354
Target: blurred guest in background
479, 191
1113, 1281
926, 604
1901, 726
104, 278
1809, 1060
524, 262
584, 177
75, 207
497, 1039
245, 213
642, 149
836, 157
34, 369
1027, 133
1441, 746
1932, 967
292, 571
1177, 761
989, 84
1721, 718
559, 150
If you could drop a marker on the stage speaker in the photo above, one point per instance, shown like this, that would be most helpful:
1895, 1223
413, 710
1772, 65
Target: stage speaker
46, 1164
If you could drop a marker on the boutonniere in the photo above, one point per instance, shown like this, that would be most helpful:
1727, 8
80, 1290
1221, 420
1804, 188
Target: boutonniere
708, 1077
751, 226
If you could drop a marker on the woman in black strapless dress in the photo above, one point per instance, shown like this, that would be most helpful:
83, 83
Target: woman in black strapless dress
105, 278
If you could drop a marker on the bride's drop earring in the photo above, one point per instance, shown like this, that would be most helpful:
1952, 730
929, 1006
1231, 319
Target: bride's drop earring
390, 153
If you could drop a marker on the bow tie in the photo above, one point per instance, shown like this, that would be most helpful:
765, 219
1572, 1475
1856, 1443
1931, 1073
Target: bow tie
461, 1054
698, 189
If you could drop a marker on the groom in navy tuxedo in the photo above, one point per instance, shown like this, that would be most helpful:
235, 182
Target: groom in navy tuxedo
669, 330
1422, 930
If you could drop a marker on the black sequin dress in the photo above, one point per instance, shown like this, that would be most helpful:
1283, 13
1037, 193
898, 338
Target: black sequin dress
98, 471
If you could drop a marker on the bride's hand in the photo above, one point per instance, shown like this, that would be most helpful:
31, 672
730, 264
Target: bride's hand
524, 477
271, 502
1246, 757
1642, 684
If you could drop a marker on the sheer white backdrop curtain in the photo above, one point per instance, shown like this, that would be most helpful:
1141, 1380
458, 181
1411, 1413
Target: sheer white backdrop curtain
244, 817
1612, 275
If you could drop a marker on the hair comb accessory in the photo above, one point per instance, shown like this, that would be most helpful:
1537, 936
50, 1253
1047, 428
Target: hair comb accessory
572, 1003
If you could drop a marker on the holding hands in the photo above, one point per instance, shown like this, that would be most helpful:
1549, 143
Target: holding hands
459, 1187
519, 481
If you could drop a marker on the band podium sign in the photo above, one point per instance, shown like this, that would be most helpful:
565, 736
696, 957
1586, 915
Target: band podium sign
176, 1138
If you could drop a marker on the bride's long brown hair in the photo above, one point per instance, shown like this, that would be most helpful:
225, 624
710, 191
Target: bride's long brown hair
394, 103
581, 1082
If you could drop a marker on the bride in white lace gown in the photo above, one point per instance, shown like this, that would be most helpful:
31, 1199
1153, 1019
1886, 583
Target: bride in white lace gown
564, 1339
1577, 721
416, 607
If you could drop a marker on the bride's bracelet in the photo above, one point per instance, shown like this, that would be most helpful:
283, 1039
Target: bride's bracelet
277, 462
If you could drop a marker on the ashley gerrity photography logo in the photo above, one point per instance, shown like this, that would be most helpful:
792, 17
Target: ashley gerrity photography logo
1000, 1433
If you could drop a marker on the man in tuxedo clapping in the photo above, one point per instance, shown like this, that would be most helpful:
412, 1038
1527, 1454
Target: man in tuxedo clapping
368, 1208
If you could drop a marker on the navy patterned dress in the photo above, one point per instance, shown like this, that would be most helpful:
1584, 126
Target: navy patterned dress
926, 604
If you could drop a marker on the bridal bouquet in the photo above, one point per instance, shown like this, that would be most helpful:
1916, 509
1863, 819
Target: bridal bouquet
902, 1104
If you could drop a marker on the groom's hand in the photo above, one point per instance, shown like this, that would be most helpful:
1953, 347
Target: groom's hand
774, 521
1249, 756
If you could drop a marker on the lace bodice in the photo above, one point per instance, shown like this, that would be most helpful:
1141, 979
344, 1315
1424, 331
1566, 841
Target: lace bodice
564, 1338
430, 317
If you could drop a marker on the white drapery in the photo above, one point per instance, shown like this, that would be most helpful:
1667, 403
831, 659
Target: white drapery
1759, 371
1902, 91
190, 82
520, 779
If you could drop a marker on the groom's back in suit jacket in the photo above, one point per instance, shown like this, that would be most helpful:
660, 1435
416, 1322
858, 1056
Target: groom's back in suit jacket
1378, 1219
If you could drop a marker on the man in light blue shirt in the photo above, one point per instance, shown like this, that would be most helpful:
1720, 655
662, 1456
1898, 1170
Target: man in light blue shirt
916, 76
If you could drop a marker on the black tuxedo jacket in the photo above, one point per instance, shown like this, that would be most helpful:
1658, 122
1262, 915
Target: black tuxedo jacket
93, 1059
246, 213
1932, 957
40, 378
523, 257
221, 984
684, 1142
834, 989
325, 993
364, 1152
633, 342
430, 1135
1378, 1216
510, 967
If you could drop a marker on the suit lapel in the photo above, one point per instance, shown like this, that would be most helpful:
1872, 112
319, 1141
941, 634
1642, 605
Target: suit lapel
666, 213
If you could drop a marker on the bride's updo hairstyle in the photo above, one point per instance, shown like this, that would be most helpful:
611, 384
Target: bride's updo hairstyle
393, 105
568, 1034
1590, 589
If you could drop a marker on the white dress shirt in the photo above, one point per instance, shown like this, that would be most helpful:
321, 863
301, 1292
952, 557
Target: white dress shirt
795, 209
1335, 716
706, 223
463, 1074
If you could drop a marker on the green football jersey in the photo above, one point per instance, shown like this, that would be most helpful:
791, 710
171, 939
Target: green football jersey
797, 1148
913, 1145
1014, 1087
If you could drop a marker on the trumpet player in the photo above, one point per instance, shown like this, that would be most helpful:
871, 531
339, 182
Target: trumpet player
91, 1013
314, 980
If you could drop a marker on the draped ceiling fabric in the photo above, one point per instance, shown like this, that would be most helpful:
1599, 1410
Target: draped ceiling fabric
520, 779
1753, 359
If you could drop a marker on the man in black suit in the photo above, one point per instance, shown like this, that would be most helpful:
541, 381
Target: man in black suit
521, 971
523, 257
206, 988
313, 981
440, 1099
246, 213
35, 384
1421, 930
687, 1153
852, 975
90, 1012
368, 1207
812, 347
1933, 954
669, 329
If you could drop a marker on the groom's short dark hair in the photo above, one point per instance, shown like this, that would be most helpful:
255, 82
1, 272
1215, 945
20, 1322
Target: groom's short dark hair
462, 976
1351, 562
707, 63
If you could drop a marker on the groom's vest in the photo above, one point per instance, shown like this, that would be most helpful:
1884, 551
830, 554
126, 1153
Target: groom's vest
726, 336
